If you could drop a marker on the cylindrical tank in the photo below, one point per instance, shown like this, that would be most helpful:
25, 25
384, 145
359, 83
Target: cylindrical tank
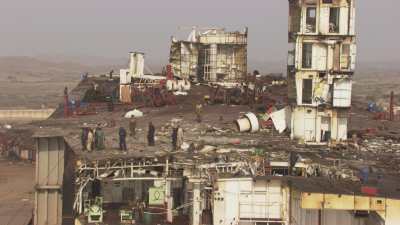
248, 123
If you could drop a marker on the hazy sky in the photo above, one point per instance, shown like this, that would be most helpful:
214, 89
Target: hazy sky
111, 29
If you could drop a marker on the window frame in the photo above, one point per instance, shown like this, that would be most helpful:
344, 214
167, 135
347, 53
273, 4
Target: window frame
337, 21
309, 96
307, 52
309, 18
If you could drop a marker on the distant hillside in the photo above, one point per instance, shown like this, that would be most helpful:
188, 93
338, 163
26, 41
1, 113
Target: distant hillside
31, 82
32, 69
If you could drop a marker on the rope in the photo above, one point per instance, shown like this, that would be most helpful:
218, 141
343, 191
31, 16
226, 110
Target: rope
166, 210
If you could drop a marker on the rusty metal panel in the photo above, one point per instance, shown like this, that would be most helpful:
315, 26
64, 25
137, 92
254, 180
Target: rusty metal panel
311, 200
334, 201
49, 180
392, 212
378, 204
362, 203
125, 94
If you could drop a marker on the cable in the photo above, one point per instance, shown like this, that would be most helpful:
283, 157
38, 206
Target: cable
166, 210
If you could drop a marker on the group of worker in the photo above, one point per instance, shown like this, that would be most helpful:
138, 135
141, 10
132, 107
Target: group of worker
177, 135
132, 129
92, 139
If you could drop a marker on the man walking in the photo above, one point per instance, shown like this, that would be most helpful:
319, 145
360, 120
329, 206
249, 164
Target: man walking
179, 137
122, 139
174, 138
84, 138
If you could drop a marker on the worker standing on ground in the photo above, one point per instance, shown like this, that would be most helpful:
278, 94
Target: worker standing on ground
150, 134
199, 110
84, 138
132, 127
95, 138
174, 137
122, 139
100, 138
293, 158
179, 141
111, 74
90, 140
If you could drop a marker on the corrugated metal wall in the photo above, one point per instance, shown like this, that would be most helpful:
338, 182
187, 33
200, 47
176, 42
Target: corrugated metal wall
49, 179
54, 182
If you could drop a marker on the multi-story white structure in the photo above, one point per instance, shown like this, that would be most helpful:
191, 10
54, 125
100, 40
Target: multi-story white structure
214, 55
321, 65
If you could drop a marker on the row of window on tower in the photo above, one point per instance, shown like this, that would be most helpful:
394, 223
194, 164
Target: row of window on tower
315, 56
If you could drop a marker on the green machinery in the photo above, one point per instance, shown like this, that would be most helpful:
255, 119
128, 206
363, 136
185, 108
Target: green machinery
94, 210
126, 217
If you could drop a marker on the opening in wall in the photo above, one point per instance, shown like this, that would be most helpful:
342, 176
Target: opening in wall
307, 56
311, 20
307, 91
345, 57
334, 15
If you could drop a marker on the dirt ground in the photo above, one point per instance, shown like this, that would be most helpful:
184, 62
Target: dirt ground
33, 83
16, 192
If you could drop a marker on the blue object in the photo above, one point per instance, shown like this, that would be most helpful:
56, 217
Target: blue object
364, 175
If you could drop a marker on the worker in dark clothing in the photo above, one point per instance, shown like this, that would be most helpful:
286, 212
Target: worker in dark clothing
100, 138
174, 137
65, 91
122, 139
150, 134
84, 138
111, 74
293, 158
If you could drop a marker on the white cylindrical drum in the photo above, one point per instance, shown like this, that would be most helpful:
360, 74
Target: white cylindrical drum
255, 126
243, 124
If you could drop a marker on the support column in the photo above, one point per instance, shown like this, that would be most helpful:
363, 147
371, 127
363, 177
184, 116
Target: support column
169, 201
213, 62
196, 204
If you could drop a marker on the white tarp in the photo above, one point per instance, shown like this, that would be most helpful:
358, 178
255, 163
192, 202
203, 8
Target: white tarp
183, 93
281, 119
133, 114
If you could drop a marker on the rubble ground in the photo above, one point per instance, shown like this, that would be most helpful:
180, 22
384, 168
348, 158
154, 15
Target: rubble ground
217, 130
